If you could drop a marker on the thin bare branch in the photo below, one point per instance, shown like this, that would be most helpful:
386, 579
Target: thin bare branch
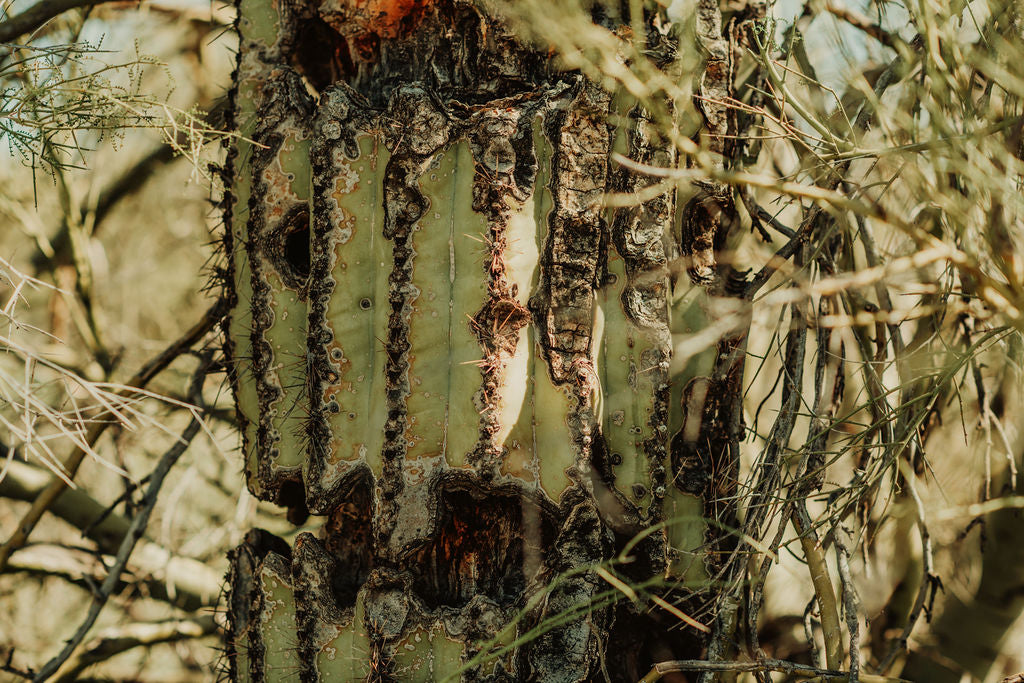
37, 15
138, 526
113, 641
70, 466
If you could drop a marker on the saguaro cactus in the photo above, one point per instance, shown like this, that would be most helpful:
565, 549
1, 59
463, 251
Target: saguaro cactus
446, 348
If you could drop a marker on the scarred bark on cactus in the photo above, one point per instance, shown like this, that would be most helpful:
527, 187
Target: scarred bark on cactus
448, 349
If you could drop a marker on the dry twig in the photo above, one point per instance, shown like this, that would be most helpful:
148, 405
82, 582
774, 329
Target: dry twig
138, 526
70, 466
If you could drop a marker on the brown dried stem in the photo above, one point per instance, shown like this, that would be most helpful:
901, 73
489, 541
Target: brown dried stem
40, 13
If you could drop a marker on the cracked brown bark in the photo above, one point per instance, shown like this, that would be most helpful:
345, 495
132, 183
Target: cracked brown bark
425, 186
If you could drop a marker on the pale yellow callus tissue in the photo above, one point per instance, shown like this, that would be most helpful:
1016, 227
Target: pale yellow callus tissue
534, 411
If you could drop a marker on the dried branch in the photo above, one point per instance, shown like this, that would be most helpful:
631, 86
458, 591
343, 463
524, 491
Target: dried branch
7, 666
184, 583
823, 589
70, 466
129, 182
863, 23
779, 665
37, 15
929, 583
769, 467
138, 526
133, 179
851, 601
25, 482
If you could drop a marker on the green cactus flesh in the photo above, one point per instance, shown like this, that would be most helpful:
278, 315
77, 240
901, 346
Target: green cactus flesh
438, 332
450, 284
273, 651
356, 316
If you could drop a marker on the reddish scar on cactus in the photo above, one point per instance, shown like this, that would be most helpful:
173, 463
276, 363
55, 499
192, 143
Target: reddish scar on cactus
383, 18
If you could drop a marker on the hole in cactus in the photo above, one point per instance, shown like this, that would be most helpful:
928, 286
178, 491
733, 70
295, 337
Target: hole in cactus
289, 248
350, 540
321, 55
296, 247
479, 547
292, 495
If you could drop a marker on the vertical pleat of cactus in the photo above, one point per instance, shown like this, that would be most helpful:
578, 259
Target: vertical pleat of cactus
268, 238
349, 301
446, 346
254, 30
278, 250
332, 643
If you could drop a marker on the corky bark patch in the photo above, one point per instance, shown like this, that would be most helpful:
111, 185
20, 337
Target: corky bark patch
368, 21
563, 307
448, 45
571, 261
705, 451
569, 653
477, 550
707, 220
269, 627
710, 215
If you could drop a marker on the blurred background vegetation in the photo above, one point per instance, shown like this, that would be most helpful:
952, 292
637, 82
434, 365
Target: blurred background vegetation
903, 120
